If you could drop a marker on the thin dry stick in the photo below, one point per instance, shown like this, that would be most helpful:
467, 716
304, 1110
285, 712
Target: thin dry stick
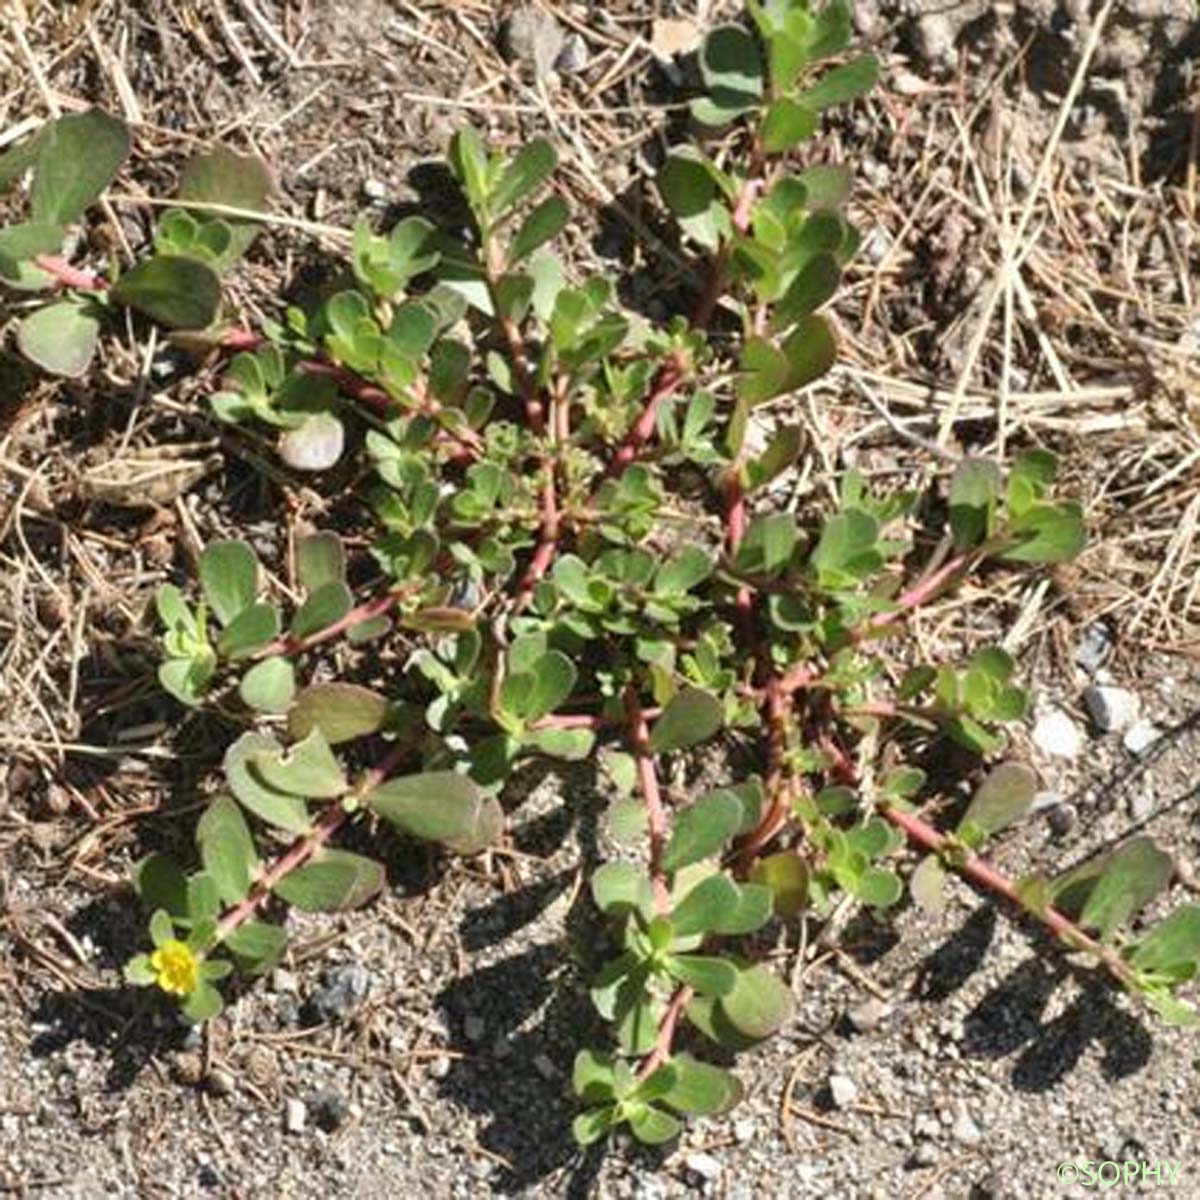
1011, 251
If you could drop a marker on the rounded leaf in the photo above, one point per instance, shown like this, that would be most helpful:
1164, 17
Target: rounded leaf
60, 338
179, 292
341, 711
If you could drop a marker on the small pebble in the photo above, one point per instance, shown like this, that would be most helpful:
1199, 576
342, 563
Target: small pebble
1112, 709
295, 1116
440, 1068
545, 1068
703, 1165
744, 1130
966, 1131
534, 37
925, 1155
574, 56
474, 1028
843, 1090
1141, 736
344, 989
1061, 819
869, 1014
374, 189
1056, 735
283, 980
1093, 648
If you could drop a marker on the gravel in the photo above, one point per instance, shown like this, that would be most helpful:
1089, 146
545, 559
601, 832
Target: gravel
1056, 735
341, 994
1112, 709
843, 1091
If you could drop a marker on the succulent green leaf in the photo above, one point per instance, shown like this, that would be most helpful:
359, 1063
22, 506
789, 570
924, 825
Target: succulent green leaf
203, 904
533, 165
234, 180
1046, 533
1172, 946
928, 884
60, 338
786, 875
269, 686
571, 745
438, 806
139, 972
592, 1076
782, 451
332, 881
692, 717
20, 243
1029, 480
843, 84
1132, 877
546, 221
706, 906
78, 156
974, 491
766, 548
787, 124
267, 803
732, 69
878, 887
708, 976
187, 678
652, 1127
320, 559
202, 1004
251, 630
1003, 796
229, 578
620, 887
307, 768
325, 606
227, 849
257, 946
815, 284
760, 1004
179, 292
341, 711
702, 829
767, 371
160, 884
589, 1127
827, 186
848, 551
701, 1089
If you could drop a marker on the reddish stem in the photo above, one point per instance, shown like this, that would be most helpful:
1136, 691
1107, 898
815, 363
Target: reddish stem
983, 873
778, 706
546, 549
307, 844
666, 1033
921, 592
656, 813
585, 720
290, 645
69, 276
669, 377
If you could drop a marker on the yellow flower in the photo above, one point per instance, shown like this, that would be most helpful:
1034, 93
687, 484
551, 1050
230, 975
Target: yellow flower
176, 967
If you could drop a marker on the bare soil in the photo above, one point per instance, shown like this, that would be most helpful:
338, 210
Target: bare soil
423, 1046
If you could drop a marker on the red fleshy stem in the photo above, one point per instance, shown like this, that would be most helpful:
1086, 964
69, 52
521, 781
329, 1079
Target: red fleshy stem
669, 377
290, 645
67, 275
666, 1033
307, 844
983, 873
656, 813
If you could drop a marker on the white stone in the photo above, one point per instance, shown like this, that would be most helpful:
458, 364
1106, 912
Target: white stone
296, 1116
966, 1131
1112, 709
1141, 736
703, 1165
843, 1089
1056, 735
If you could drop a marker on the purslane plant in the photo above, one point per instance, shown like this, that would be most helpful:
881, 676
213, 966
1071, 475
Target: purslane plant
581, 556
